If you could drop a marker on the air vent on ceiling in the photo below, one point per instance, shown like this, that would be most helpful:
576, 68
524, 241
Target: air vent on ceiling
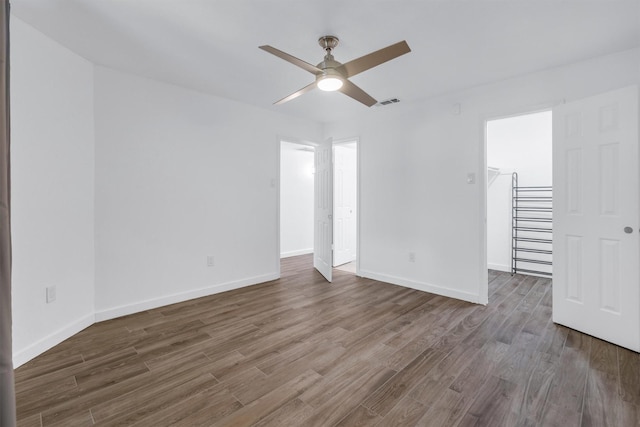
388, 101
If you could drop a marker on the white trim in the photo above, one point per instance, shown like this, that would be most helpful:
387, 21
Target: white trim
523, 111
124, 310
358, 204
296, 253
483, 284
21, 357
499, 267
278, 196
424, 287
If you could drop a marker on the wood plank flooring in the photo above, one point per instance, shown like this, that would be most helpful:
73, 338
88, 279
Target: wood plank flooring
302, 352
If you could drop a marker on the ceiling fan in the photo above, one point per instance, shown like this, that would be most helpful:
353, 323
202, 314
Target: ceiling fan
331, 75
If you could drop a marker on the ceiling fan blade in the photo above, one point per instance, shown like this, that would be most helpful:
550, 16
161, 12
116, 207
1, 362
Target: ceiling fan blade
356, 93
373, 59
294, 95
292, 59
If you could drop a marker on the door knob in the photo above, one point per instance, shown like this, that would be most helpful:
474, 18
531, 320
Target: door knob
628, 230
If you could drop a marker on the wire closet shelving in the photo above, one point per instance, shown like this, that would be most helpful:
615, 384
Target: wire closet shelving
531, 229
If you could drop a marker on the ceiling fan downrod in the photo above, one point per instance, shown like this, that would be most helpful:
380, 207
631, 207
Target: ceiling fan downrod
328, 43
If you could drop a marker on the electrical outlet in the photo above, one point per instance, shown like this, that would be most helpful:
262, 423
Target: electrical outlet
51, 294
412, 257
210, 261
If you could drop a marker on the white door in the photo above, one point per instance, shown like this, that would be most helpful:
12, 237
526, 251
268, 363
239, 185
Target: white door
344, 206
596, 280
323, 209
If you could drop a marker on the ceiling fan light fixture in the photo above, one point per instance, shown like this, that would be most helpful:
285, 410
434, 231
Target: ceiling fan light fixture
329, 83
331, 75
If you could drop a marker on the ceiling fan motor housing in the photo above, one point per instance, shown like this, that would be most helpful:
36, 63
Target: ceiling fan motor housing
329, 63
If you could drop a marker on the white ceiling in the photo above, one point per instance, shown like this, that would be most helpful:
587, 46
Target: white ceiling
212, 45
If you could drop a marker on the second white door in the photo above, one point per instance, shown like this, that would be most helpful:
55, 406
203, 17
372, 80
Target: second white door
323, 209
596, 277
344, 206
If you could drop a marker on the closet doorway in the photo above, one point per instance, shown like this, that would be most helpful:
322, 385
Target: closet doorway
595, 209
519, 194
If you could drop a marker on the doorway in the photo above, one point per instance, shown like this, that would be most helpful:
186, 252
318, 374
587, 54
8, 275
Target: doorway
595, 214
519, 194
296, 198
297, 201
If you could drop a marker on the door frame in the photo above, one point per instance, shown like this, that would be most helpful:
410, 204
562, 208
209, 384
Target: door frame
278, 146
483, 274
309, 143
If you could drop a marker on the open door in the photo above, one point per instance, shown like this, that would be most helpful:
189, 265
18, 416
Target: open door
596, 278
345, 165
323, 209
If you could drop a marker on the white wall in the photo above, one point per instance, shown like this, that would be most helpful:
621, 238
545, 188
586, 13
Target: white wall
519, 144
414, 162
296, 200
179, 176
176, 176
52, 172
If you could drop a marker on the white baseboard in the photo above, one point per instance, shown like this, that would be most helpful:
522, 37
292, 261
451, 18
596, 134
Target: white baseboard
420, 286
24, 355
124, 310
499, 267
296, 253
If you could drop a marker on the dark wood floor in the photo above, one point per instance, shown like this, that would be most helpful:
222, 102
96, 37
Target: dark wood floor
301, 352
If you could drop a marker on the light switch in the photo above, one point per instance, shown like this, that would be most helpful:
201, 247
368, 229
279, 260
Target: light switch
51, 294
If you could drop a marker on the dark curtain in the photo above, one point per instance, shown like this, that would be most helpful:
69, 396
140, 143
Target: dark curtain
7, 387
